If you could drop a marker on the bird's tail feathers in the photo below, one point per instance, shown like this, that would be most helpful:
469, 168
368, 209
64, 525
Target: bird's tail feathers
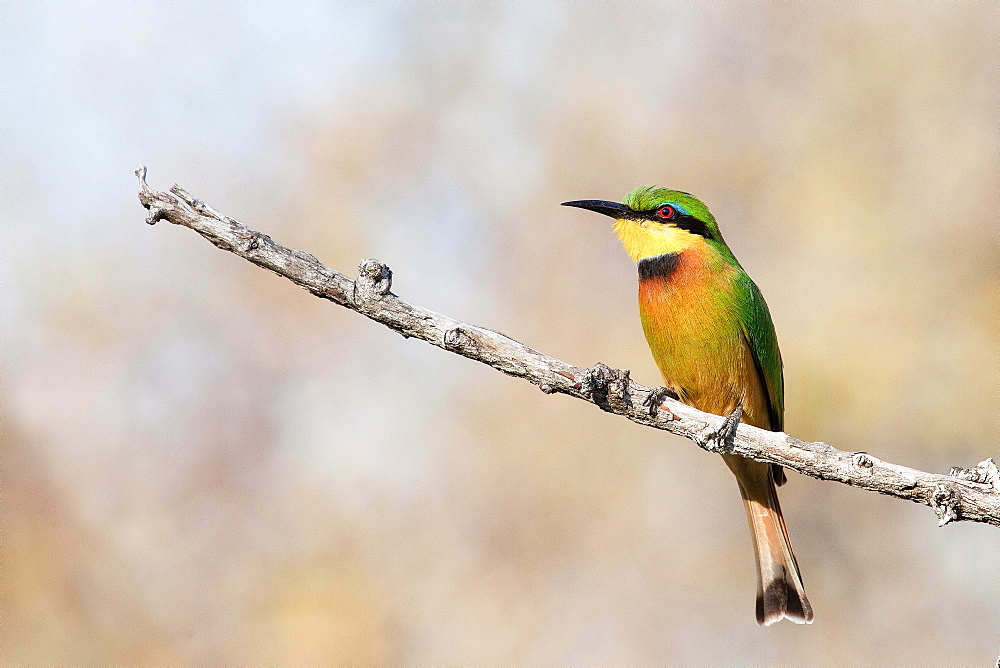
780, 594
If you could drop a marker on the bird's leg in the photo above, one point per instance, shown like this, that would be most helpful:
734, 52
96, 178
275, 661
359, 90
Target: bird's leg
721, 440
655, 398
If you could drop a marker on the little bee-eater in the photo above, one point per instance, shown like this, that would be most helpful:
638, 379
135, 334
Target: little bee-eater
711, 335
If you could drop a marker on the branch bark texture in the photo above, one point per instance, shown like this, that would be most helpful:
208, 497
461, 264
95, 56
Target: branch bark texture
964, 494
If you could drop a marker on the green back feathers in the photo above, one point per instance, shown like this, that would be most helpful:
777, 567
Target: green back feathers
758, 330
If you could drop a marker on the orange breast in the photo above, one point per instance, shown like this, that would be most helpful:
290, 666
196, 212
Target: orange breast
691, 318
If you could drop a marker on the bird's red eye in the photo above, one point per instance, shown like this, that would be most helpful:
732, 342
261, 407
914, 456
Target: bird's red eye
666, 212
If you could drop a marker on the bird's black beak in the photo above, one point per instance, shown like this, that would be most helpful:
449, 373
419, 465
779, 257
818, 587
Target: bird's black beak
613, 209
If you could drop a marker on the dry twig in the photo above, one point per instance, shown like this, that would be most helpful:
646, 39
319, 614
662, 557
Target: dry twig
965, 494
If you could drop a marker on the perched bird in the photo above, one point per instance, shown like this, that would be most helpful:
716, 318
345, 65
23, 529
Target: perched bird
712, 337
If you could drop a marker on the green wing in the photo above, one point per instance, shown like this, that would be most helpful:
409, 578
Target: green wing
759, 332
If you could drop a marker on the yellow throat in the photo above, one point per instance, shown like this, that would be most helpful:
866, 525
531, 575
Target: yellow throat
645, 239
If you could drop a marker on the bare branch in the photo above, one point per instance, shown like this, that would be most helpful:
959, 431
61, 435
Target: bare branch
972, 494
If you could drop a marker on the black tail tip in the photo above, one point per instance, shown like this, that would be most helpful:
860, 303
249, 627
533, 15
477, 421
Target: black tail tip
780, 600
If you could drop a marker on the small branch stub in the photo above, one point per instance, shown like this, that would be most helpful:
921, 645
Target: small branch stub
609, 388
373, 283
985, 472
945, 503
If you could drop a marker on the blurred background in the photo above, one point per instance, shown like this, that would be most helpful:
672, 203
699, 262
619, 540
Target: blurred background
202, 463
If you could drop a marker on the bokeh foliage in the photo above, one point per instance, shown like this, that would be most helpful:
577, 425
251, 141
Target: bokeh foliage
203, 464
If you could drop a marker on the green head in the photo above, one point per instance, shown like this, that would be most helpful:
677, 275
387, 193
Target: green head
655, 221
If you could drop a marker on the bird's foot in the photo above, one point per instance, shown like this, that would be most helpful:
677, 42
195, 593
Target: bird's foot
655, 399
721, 440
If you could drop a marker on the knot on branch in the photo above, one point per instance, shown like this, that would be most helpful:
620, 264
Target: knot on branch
863, 460
945, 502
609, 388
985, 472
373, 282
458, 339
720, 439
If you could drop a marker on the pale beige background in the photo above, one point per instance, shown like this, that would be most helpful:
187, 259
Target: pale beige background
203, 464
